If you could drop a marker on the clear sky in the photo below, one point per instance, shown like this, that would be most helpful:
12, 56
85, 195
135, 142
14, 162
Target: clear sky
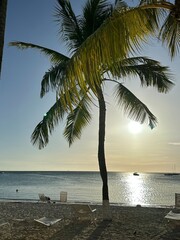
21, 108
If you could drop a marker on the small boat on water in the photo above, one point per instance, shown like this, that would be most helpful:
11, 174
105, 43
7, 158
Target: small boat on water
136, 174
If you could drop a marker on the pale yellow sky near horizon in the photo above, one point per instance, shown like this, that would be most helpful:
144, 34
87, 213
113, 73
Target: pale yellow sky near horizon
156, 150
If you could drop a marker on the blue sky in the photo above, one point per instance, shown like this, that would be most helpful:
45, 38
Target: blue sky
21, 107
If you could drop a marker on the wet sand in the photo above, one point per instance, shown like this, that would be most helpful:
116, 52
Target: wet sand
140, 223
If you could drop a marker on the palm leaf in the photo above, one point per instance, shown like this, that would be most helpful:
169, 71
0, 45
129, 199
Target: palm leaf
170, 33
44, 129
133, 107
40, 135
55, 57
170, 30
51, 78
69, 24
150, 72
54, 79
77, 120
95, 12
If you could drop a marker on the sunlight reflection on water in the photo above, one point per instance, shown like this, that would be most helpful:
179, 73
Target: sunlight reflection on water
130, 189
136, 190
145, 189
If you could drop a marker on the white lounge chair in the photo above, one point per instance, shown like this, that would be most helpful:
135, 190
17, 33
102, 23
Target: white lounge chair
177, 201
48, 221
174, 215
82, 211
43, 198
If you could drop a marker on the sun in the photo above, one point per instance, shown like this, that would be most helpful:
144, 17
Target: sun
135, 127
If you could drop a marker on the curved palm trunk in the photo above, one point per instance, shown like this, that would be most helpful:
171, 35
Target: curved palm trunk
3, 7
177, 9
101, 156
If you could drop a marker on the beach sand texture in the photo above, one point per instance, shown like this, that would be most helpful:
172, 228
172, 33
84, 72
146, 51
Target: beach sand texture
128, 223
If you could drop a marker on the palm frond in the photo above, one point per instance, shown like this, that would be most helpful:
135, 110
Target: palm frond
170, 30
133, 107
57, 112
150, 72
95, 12
69, 24
170, 34
53, 79
55, 57
40, 135
77, 120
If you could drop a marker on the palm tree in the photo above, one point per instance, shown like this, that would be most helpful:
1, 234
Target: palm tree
76, 86
3, 8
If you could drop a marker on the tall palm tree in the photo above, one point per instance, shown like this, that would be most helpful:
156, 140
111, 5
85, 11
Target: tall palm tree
3, 9
76, 87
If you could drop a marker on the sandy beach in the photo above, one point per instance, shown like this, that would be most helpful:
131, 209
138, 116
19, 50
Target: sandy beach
140, 223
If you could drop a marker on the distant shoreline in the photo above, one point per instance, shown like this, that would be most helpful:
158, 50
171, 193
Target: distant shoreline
7, 200
74, 171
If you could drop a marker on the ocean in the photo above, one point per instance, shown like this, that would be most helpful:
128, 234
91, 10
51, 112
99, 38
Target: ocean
154, 189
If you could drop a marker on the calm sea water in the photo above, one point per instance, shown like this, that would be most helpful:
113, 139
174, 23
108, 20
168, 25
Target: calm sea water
124, 188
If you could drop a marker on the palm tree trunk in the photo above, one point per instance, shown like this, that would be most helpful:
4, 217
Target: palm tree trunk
177, 9
101, 156
3, 8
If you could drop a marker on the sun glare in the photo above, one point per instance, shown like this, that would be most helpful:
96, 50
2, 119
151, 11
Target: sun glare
135, 127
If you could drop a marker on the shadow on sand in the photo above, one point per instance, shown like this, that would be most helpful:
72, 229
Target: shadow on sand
102, 226
173, 234
70, 230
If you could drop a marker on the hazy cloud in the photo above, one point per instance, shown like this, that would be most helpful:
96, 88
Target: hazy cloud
174, 143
